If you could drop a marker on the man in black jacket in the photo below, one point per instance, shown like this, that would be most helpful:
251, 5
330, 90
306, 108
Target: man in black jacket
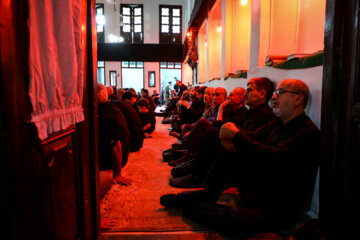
258, 94
113, 137
283, 156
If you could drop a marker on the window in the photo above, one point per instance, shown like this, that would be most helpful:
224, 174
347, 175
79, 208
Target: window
132, 23
170, 65
101, 72
170, 24
100, 23
132, 75
151, 79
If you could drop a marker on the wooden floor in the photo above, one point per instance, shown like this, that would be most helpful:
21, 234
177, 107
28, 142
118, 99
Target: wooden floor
134, 212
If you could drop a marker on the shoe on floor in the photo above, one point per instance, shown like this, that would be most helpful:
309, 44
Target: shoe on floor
172, 154
188, 181
178, 146
187, 157
183, 169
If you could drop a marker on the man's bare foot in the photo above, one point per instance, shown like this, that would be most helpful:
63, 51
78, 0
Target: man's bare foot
122, 181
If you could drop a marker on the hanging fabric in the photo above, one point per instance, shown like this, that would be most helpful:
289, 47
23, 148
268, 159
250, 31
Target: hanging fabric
56, 64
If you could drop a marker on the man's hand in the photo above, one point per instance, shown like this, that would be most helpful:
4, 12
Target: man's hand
228, 145
186, 104
228, 131
122, 181
225, 103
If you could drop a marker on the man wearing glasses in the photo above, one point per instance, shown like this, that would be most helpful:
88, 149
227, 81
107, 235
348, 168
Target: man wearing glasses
282, 156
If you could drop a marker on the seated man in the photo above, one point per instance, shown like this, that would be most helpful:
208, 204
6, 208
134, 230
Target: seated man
283, 156
145, 94
113, 135
133, 121
196, 134
147, 116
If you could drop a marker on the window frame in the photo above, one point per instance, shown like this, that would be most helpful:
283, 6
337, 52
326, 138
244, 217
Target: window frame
170, 37
100, 36
132, 36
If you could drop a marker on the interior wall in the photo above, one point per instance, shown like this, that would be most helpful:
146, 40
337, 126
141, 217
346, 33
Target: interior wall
113, 66
215, 40
155, 67
311, 26
202, 53
288, 27
186, 74
240, 39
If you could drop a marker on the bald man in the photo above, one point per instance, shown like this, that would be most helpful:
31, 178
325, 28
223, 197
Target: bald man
284, 154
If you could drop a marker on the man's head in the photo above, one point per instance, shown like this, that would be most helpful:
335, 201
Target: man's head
120, 91
193, 92
200, 93
208, 96
259, 91
170, 83
219, 96
237, 95
144, 92
143, 105
289, 99
129, 97
110, 90
185, 95
102, 93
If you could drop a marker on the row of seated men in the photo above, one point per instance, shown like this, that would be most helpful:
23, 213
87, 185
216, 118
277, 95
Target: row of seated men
124, 121
270, 155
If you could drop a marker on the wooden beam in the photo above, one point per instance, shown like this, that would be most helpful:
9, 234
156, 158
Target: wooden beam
140, 52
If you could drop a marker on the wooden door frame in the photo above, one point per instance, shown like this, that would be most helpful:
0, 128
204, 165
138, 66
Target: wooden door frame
340, 114
21, 149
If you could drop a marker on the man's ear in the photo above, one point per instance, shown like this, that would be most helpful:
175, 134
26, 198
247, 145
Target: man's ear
299, 100
263, 93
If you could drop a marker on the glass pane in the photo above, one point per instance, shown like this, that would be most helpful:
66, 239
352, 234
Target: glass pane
176, 12
176, 29
132, 64
165, 12
99, 28
140, 64
101, 75
138, 28
126, 28
170, 65
165, 20
99, 11
125, 64
126, 11
163, 64
165, 28
137, 20
126, 19
177, 65
100, 63
137, 11
176, 21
